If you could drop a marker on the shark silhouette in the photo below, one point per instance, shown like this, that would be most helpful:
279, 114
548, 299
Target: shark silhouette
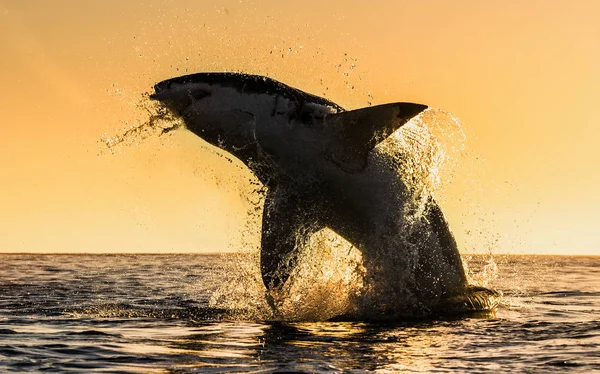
322, 169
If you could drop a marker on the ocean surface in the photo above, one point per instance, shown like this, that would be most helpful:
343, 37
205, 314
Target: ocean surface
159, 313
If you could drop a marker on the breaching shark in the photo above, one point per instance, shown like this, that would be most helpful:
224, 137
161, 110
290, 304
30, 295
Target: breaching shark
321, 168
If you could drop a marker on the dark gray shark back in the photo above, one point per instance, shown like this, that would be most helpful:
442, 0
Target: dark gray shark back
248, 83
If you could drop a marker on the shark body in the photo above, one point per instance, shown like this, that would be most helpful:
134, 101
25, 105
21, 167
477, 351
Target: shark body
321, 168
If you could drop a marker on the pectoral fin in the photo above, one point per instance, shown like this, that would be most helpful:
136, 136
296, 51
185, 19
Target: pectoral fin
358, 131
447, 243
288, 222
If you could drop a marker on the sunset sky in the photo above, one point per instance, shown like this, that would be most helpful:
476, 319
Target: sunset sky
523, 77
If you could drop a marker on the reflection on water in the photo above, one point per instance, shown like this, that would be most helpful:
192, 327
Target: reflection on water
54, 317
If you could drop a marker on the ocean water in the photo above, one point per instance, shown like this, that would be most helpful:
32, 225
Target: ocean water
170, 313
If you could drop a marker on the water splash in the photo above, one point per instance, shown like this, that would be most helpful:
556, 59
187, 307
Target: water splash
422, 160
330, 279
481, 271
326, 282
156, 122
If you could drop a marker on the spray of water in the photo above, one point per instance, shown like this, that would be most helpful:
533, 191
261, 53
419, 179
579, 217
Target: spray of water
330, 279
157, 122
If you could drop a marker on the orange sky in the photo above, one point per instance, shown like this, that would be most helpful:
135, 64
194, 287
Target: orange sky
522, 77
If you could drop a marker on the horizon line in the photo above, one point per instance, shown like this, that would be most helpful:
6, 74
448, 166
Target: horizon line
234, 252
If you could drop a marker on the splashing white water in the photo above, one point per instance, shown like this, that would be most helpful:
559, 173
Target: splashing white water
159, 121
330, 279
423, 162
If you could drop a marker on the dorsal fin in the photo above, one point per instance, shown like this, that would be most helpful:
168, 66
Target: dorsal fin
356, 132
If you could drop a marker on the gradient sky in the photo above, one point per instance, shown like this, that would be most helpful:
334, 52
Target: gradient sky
522, 76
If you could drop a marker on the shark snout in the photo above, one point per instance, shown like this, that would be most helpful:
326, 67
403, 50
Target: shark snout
169, 98
162, 90
177, 97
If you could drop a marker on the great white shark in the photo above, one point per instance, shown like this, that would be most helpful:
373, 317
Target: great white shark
321, 168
